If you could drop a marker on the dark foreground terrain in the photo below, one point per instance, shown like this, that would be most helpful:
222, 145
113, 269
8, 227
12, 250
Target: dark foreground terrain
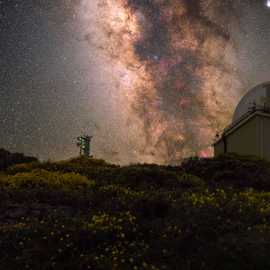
87, 214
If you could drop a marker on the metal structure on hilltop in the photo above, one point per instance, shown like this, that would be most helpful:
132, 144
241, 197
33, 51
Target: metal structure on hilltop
84, 143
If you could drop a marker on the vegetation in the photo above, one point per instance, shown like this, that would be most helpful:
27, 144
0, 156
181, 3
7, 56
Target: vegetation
88, 214
8, 159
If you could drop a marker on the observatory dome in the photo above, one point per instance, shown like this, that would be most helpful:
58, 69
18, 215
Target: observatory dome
258, 97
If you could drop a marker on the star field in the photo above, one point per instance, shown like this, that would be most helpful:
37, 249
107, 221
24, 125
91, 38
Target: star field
57, 80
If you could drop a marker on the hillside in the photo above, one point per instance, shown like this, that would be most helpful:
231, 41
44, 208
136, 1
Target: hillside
88, 214
7, 159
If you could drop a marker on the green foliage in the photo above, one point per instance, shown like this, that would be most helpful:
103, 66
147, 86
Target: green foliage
22, 168
45, 179
191, 181
206, 214
137, 176
231, 170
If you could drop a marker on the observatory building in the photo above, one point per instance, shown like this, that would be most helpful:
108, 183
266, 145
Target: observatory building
249, 132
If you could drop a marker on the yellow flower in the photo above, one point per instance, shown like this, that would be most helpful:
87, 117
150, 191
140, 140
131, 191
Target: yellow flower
144, 264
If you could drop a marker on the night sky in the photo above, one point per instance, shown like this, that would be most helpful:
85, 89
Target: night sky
152, 81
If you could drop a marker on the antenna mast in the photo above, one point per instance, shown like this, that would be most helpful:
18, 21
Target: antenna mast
84, 142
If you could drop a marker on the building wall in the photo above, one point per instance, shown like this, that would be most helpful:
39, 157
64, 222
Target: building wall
219, 148
265, 129
243, 140
250, 138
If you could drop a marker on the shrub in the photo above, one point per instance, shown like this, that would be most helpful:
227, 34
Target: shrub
208, 214
189, 181
231, 170
46, 179
22, 168
144, 176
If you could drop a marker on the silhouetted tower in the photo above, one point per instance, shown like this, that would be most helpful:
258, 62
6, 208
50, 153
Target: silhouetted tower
84, 142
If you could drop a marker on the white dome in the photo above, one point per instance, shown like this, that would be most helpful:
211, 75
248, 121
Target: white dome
259, 96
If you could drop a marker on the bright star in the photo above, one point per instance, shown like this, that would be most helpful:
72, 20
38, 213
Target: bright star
268, 3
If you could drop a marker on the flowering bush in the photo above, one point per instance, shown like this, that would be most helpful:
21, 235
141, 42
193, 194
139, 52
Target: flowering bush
136, 217
45, 179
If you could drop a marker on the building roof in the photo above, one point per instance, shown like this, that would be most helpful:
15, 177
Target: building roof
258, 96
257, 111
255, 102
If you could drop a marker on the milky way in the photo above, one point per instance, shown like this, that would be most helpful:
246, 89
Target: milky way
153, 81
176, 63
